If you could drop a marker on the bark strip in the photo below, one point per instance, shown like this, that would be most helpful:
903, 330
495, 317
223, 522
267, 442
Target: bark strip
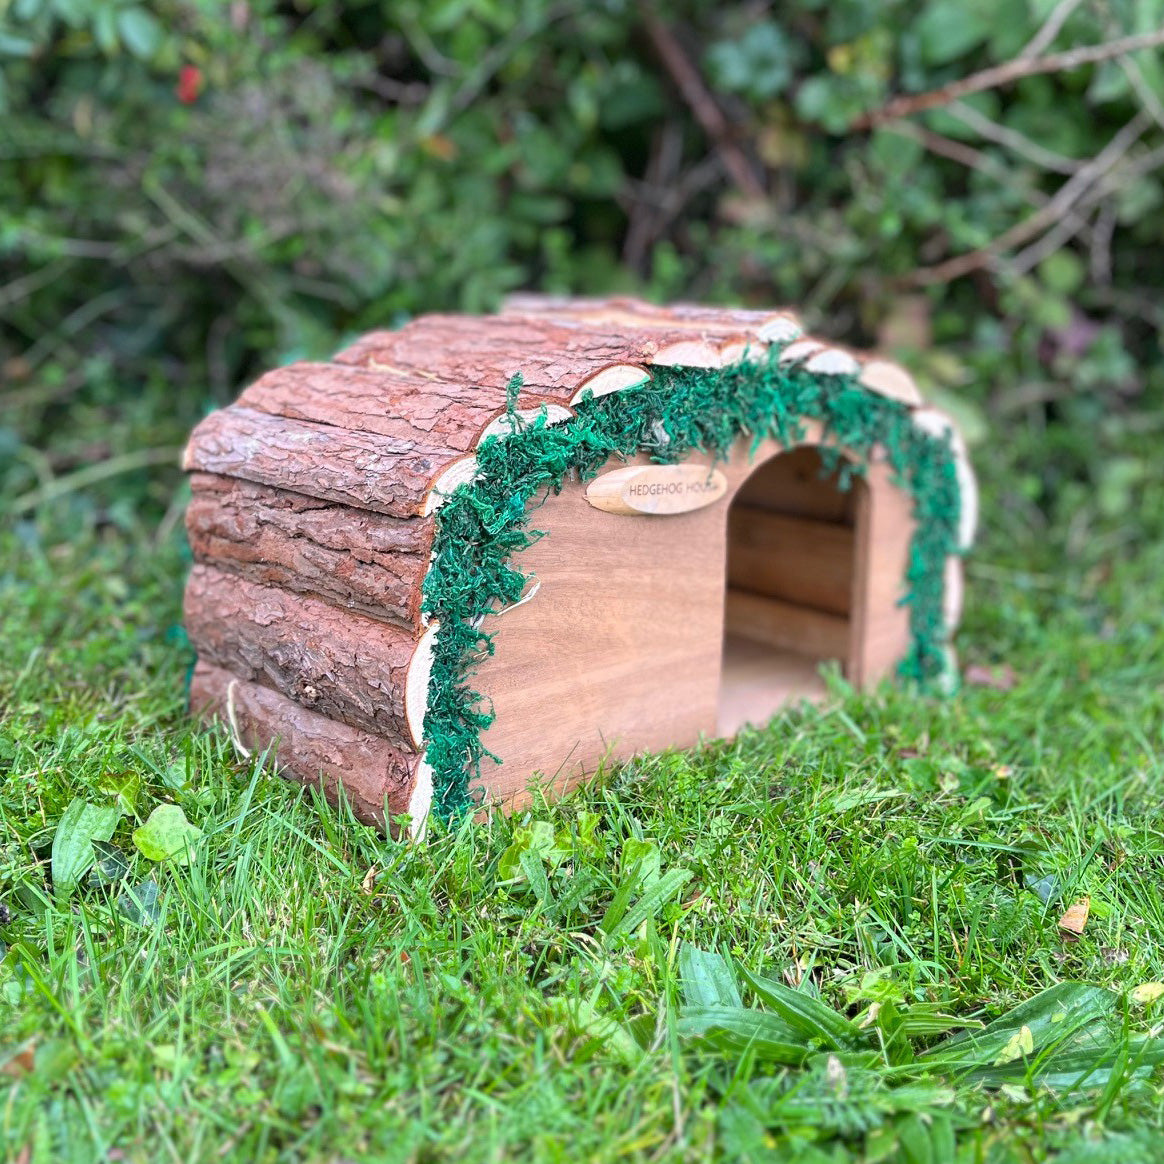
354, 468
310, 748
352, 558
342, 665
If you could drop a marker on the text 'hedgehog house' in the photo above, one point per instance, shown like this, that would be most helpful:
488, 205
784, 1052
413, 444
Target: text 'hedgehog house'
482, 548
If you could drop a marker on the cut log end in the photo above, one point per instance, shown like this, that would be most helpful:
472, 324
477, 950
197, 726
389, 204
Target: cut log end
616, 378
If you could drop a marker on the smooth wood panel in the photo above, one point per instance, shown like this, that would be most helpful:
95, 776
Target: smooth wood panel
798, 559
885, 525
786, 626
620, 649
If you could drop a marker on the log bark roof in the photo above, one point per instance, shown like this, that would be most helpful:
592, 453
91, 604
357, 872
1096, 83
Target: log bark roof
390, 425
377, 425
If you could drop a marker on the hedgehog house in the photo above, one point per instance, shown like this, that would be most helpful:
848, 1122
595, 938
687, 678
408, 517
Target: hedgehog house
480, 550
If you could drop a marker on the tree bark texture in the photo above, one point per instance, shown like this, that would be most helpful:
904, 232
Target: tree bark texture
343, 665
310, 748
353, 558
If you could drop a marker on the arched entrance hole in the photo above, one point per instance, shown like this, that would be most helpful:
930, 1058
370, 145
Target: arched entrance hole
791, 592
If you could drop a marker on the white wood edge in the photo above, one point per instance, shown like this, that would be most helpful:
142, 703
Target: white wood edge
951, 677
801, 350
891, 381
460, 472
953, 593
833, 362
500, 426
420, 802
687, 354
742, 352
781, 329
416, 684
616, 378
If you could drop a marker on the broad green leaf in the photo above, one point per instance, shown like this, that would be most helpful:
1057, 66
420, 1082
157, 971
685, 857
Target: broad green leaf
139, 903
139, 31
643, 855
706, 978
80, 825
167, 835
111, 864
538, 838
585, 1020
535, 872
649, 904
811, 1018
1053, 1016
741, 1028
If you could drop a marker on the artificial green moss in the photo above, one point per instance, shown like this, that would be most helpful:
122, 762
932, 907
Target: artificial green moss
483, 526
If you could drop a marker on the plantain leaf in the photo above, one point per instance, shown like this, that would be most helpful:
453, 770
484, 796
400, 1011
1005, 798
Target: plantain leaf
809, 1017
80, 825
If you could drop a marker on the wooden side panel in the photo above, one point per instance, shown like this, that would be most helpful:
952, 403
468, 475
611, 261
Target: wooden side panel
309, 747
885, 527
620, 649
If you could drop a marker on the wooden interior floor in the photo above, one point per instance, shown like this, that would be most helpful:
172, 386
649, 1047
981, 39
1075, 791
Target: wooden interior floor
758, 680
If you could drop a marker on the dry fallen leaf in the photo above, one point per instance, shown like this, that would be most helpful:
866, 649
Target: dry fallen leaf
21, 1063
1001, 678
1147, 992
1075, 918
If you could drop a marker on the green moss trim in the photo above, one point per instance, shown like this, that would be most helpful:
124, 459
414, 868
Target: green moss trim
483, 526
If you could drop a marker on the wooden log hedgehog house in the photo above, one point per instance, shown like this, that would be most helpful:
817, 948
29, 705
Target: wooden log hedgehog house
478, 549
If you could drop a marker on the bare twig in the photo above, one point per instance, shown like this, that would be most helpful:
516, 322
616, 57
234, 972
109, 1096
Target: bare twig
1007, 73
1065, 199
1044, 38
973, 159
1144, 91
1012, 140
646, 203
90, 474
702, 104
1099, 255
28, 284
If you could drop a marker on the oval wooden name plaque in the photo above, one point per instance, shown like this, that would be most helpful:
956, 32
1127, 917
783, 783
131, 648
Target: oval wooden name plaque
656, 489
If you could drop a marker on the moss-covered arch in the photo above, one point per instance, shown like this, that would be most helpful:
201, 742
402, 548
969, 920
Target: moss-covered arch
484, 524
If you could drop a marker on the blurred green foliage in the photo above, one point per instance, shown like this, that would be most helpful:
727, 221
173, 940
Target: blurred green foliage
193, 190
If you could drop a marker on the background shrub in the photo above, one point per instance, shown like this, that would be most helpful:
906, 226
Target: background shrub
193, 191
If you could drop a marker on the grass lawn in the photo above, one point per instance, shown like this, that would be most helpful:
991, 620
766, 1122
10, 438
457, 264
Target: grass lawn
563, 986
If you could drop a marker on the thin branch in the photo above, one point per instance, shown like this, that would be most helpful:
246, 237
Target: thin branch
1044, 38
973, 159
1064, 200
702, 104
1144, 91
1007, 73
1012, 140
1099, 254
90, 474
28, 284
